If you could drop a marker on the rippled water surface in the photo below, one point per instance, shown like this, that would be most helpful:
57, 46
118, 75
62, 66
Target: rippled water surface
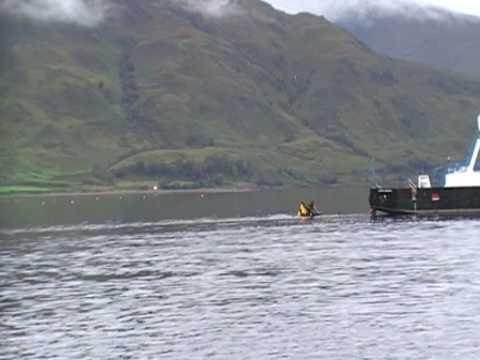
246, 287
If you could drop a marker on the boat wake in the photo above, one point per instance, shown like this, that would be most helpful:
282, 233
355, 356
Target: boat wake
116, 226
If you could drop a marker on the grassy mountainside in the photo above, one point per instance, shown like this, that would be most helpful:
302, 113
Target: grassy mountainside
436, 37
162, 94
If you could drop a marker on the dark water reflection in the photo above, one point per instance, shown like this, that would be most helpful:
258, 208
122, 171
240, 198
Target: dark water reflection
152, 207
124, 282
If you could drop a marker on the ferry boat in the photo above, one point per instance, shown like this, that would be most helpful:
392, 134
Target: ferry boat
459, 195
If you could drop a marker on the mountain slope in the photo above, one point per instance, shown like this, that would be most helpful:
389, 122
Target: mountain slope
163, 93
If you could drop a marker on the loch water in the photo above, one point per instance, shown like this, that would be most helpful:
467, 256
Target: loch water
234, 276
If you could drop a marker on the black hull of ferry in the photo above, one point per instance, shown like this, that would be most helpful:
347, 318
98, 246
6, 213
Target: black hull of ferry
433, 201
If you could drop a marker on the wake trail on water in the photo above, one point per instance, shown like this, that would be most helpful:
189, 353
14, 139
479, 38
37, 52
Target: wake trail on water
210, 223
112, 226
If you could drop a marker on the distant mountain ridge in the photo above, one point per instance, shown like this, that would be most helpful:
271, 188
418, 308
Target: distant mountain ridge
159, 93
425, 35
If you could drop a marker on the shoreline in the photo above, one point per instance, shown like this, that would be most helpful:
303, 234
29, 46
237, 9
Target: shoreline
129, 192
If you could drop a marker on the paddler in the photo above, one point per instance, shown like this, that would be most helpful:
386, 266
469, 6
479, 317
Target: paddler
303, 210
313, 209
309, 210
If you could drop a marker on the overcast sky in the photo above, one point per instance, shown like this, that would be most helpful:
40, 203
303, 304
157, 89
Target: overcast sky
333, 8
92, 12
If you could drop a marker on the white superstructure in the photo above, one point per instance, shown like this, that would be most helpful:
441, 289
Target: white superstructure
466, 176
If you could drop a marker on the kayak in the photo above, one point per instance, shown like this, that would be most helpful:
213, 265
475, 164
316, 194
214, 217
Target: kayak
309, 217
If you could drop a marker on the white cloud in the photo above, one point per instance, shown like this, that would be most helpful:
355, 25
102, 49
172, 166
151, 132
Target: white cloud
81, 12
93, 12
471, 7
333, 9
213, 8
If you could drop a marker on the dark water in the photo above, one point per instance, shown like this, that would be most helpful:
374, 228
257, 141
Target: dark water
168, 278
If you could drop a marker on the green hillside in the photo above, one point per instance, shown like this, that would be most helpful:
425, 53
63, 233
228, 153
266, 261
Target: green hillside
160, 94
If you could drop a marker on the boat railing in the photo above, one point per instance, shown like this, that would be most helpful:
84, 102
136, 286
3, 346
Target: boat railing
457, 168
